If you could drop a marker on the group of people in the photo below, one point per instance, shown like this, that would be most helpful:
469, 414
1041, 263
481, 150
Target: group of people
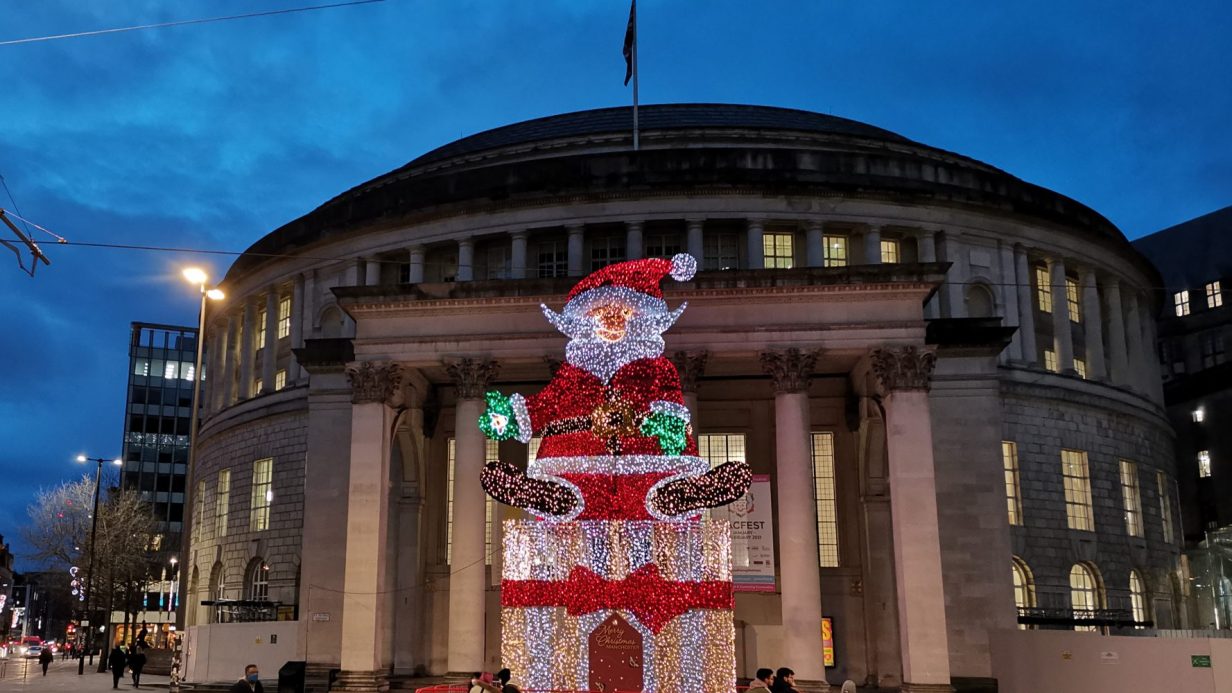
134, 661
781, 681
485, 682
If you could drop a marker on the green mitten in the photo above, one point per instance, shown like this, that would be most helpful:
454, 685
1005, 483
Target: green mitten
668, 428
498, 421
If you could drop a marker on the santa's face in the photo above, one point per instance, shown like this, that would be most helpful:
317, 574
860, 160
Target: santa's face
611, 321
609, 327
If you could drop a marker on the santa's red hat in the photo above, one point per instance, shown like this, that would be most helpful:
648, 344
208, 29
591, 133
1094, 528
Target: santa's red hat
639, 275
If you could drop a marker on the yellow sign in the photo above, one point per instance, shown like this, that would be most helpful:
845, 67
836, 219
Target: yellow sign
827, 642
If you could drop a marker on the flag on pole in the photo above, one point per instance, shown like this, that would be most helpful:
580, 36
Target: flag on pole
630, 41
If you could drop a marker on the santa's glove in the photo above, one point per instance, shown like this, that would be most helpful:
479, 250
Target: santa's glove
498, 422
719, 486
669, 428
510, 485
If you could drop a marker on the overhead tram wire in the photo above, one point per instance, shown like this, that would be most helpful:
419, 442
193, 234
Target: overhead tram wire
184, 22
64, 242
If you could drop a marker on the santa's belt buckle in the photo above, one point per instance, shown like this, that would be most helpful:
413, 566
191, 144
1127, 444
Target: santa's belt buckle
613, 419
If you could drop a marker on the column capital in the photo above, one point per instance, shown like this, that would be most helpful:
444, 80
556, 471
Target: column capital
694, 221
903, 368
374, 381
755, 222
791, 369
467, 241
471, 376
691, 365
521, 233
575, 228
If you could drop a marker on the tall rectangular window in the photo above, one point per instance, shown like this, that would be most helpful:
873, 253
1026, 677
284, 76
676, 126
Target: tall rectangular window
1013, 492
824, 494
284, 317
1211, 346
1080, 366
198, 510
721, 251
889, 251
778, 250
1180, 303
497, 262
1050, 360
222, 503
1164, 491
1131, 498
491, 454
1043, 289
1204, 463
606, 250
835, 251
553, 259
257, 386
262, 494
662, 245
1214, 295
720, 448
261, 329
1071, 300
1076, 476
280, 380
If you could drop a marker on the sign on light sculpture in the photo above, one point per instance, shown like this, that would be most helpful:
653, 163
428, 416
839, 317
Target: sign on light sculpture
619, 583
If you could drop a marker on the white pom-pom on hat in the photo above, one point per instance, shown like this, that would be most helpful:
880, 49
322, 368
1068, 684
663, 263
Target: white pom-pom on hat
684, 266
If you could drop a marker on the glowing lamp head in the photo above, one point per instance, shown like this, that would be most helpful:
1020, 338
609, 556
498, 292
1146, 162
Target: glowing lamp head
81, 458
215, 295
118, 462
195, 275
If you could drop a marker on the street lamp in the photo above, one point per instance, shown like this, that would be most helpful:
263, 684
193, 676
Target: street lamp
98, 478
197, 277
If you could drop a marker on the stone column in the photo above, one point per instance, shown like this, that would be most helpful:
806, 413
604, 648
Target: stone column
1118, 357
903, 376
695, 239
375, 387
797, 511
1151, 349
756, 251
1133, 340
372, 271
690, 365
220, 373
248, 350
466, 260
229, 391
295, 372
1093, 322
633, 240
1062, 333
269, 353
927, 246
1026, 305
814, 245
872, 246
466, 580
517, 255
954, 291
1009, 300
576, 234
416, 273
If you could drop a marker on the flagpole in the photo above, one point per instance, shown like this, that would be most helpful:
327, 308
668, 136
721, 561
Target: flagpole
635, 123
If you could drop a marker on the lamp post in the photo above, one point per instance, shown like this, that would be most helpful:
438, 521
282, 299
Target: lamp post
98, 478
197, 277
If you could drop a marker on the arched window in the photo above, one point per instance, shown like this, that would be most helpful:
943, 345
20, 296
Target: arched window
1024, 587
332, 323
258, 580
1137, 597
218, 589
980, 302
1085, 594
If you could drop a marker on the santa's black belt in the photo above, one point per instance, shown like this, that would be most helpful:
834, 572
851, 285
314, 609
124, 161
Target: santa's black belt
585, 424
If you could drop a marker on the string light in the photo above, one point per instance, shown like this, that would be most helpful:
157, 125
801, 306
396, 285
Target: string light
619, 564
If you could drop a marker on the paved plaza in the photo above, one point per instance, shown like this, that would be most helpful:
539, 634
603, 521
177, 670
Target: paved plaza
26, 675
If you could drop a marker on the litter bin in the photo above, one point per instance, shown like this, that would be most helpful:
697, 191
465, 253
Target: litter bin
292, 677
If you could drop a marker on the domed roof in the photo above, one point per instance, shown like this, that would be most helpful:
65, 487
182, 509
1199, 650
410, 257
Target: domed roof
660, 117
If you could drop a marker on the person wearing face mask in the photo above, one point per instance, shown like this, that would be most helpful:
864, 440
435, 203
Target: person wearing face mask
251, 683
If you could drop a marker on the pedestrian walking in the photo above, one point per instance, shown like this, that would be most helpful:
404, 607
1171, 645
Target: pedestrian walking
784, 681
46, 658
117, 661
763, 680
136, 662
251, 683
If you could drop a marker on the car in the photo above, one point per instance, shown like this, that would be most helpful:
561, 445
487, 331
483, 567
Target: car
33, 651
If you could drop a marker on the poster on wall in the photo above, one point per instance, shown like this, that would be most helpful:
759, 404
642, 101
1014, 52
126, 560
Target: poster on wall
827, 643
752, 533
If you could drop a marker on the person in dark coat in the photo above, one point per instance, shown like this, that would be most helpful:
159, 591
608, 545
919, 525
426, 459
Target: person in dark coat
136, 662
251, 683
46, 658
117, 661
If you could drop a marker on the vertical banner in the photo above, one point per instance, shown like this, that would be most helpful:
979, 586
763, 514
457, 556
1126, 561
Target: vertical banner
752, 537
827, 642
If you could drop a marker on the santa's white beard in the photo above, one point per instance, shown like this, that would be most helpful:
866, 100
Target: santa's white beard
603, 359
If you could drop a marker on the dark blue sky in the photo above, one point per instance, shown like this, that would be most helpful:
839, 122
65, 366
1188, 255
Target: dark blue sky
210, 136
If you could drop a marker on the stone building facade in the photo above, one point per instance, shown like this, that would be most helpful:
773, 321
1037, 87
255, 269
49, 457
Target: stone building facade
941, 367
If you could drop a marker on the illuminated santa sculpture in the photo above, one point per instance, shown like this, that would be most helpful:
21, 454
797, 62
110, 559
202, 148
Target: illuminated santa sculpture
619, 584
